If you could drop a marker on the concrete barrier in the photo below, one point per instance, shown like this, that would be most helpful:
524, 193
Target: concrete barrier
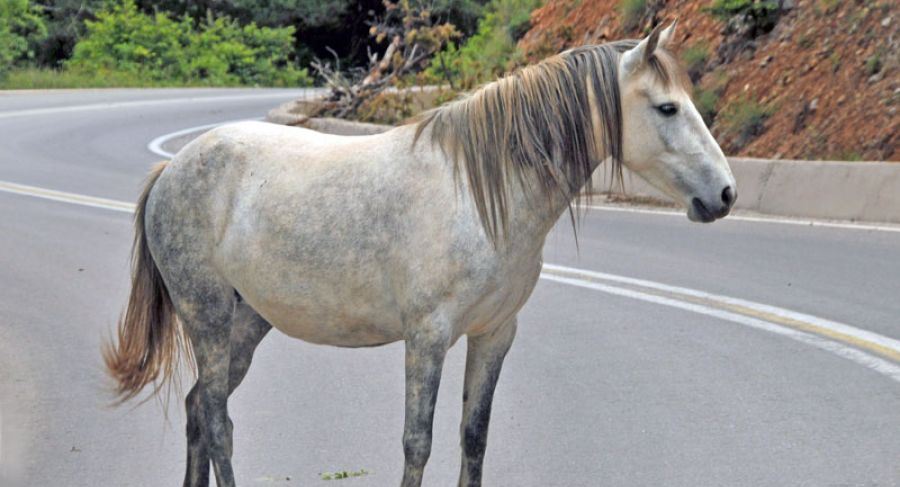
856, 191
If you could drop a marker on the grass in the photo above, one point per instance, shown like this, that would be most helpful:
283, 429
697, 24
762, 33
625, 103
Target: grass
632, 11
743, 120
38, 79
343, 474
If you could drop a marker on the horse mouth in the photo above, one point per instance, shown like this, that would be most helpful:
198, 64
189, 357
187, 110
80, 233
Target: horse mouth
700, 213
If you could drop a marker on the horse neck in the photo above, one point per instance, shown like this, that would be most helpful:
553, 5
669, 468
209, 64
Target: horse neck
534, 211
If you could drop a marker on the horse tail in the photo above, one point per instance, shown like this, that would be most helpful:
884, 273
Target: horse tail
150, 338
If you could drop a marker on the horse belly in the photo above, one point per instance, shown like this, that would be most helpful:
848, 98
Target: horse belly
349, 324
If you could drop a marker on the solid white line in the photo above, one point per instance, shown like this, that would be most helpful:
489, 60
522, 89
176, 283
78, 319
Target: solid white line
757, 219
65, 197
869, 361
882, 366
145, 103
823, 323
156, 145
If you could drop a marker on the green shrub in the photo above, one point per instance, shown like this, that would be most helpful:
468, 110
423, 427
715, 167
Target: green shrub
873, 64
743, 120
632, 12
490, 52
21, 28
706, 101
694, 58
159, 48
725, 9
760, 15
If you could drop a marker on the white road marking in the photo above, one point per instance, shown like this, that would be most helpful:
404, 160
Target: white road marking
757, 219
156, 145
762, 309
877, 364
753, 314
147, 103
65, 197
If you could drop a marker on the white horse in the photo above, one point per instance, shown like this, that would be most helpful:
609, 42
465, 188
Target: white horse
425, 233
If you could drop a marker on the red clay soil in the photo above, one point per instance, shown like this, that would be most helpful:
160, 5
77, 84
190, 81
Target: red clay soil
827, 73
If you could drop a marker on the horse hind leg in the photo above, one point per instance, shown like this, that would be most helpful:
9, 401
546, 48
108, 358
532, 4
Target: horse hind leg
484, 359
247, 330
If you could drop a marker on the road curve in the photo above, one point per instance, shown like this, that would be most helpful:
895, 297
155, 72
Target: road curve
602, 388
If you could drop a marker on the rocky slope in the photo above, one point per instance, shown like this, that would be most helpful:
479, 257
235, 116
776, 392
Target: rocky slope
819, 82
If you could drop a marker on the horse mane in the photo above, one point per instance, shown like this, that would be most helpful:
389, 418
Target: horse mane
538, 121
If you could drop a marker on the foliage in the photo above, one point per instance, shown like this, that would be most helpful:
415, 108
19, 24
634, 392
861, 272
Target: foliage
706, 101
726, 9
490, 52
412, 36
873, 64
632, 11
21, 28
759, 16
65, 25
694, 58
217, 52
742, 120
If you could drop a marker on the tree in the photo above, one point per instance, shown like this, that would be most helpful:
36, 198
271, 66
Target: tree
21, 28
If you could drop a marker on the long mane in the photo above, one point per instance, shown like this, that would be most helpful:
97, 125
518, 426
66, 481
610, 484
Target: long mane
539, 120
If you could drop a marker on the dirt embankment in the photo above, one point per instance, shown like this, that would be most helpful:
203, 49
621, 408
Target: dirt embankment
823, 82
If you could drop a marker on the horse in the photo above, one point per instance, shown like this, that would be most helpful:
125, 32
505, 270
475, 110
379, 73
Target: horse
425, 233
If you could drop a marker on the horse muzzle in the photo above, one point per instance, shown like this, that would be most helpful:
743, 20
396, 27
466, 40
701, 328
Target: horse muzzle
714, 209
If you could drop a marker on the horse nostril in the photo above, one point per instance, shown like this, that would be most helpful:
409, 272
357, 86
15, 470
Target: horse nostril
728, 196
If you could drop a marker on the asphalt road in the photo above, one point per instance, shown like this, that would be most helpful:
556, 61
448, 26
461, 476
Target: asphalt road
611, 381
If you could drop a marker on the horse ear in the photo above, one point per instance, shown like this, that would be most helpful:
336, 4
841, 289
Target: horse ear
640, 54
667, 36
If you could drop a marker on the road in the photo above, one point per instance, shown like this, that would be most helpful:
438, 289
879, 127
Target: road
633, 365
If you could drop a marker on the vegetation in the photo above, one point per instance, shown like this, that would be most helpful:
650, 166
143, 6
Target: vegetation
21, 28
743, 120
343, 474
758, 16
490, 52
632, 12
706, 101
694, 58
161, 49
412, 37
38, 39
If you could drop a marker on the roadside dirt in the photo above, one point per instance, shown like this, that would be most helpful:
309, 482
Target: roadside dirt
822, 85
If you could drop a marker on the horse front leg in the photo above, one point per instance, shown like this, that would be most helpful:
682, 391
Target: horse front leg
484, 359
425, 352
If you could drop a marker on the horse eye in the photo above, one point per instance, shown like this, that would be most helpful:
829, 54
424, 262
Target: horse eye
667, 109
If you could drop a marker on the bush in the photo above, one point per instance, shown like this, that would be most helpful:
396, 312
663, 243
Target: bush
743, 120
759, 15
694, 59
632, 11
490, 52
159, 48
21, 28
706, 101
